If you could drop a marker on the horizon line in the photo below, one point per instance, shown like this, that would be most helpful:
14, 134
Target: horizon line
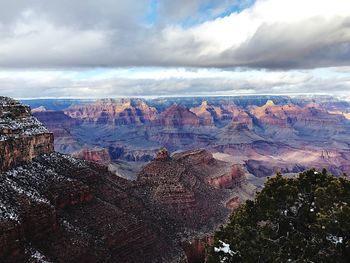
188, 96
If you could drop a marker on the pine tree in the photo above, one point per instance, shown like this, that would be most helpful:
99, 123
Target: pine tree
302, 219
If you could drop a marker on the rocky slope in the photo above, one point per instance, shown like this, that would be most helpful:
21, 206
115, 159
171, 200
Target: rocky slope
55, 208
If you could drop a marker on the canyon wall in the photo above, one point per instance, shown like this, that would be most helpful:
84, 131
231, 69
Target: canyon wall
263, 134
22, 137
55, 208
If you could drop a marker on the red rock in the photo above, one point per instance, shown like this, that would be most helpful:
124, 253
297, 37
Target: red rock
163, 154
113, 112
179, 185
22, 137
178, 116
98, 155
311, 116
69, 210
233, 203
206, 113
234, 178
195, 249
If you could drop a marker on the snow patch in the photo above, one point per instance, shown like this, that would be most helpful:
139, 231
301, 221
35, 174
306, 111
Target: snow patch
225, 248
335, 239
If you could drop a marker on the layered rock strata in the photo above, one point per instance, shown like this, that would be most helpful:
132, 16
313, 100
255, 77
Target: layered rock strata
22, 137
55, 208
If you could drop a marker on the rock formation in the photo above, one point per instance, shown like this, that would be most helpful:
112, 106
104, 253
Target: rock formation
290, 121
22, 137
208, 115
260, 133
235, 177
214, 114
98, 155
179, 186
56, 208
163, 154
115, 112
178, 116
61, 126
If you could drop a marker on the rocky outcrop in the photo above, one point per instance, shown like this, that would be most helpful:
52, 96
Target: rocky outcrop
178, 116
71, 211
163, 154
98, 155
233, 203
177, 185
131, 154
291, 121
232, 179
195, 249
113, 112
208, 115
22, 137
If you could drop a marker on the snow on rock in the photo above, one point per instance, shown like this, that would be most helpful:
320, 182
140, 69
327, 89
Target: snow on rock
335, 239
22, 137
37, 256
225, 248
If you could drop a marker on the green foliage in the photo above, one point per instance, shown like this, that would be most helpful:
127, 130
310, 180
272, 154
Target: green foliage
302, 219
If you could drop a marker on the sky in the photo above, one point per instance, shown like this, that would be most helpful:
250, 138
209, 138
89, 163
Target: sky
118, 48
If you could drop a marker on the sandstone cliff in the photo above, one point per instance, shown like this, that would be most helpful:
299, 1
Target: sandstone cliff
115, 112
178, 116
98, 155
61, 125
22, 137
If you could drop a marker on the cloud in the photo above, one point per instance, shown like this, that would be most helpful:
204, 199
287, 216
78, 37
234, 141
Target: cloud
137, 82
271, 34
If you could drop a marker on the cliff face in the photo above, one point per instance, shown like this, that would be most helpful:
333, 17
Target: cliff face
179, 187
61, 126
178, 116
292, 120
263, 136
98, 155
234, 178
22, 137
208, 114
115, 112
56, 208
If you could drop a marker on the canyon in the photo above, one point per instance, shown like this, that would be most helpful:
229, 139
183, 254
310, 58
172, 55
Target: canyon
57, 208
262, 134
135, 180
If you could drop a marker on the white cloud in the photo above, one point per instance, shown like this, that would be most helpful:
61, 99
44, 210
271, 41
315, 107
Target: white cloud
272, 33
268, 34
276, 46
170, 82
